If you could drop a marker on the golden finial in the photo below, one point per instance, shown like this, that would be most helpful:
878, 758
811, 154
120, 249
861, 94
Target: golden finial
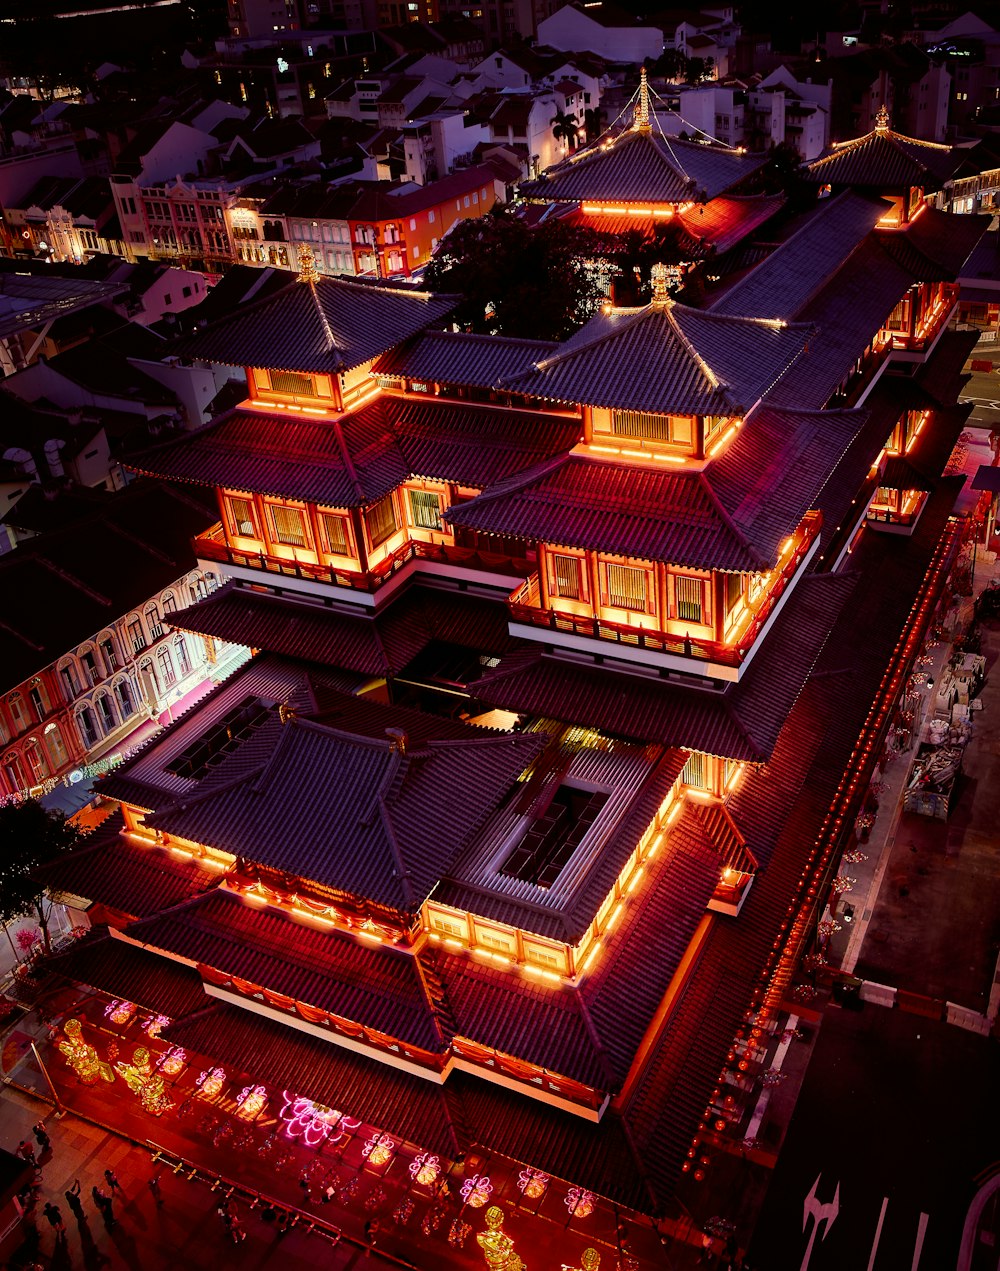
641, 120
658, 281
307, 264
882, 119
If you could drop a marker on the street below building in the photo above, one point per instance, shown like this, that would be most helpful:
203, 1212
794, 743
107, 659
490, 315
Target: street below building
898, 1112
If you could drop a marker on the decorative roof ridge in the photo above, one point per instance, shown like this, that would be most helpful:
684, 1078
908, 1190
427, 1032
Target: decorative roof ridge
838, 148
729, 522
396, 770
519, 481
171, 911
338, 429
629, 318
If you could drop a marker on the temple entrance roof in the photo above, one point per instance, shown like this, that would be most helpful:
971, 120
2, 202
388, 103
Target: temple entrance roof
886, 161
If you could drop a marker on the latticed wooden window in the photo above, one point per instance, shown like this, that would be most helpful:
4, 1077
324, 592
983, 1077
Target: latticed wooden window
381, 520
289, 526
627, 587
335, 533
734, 591
567, 574
425, 508
293, 382
642, 424
241, 511
690, 598
694, 773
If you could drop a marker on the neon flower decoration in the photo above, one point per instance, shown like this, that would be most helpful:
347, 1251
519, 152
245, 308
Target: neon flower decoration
379, 1149
251, 1102
210, 1081
532, 1183
425, 1168
172, 1061
477, 1190
580, 1203
154, 1025
120, 1011
311, 1122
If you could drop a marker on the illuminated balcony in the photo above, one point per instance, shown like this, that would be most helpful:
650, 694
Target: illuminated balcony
413, 557
645, 643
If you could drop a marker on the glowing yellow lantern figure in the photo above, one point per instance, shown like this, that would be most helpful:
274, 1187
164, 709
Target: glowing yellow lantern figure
497, 1246
143, 1081
589, 1261
81, 1057
379, 1149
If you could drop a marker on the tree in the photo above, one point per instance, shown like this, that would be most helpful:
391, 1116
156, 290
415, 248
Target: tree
565, 128
672, 65
30, 836
594, 119
536, 282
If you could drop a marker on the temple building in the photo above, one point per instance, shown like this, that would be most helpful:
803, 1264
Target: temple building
695, 194
562, 651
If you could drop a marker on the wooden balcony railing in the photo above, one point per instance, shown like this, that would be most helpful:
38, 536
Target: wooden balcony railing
213, 546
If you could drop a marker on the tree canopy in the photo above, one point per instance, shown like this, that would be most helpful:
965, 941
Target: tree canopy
537, 282
30, 836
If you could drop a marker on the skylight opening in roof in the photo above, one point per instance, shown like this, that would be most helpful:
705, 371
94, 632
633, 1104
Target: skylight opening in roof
220, 740
554, 836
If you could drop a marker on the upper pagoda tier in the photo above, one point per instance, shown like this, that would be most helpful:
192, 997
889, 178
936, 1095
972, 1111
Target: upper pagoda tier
885, 162
642, 165
668, 359
316, 325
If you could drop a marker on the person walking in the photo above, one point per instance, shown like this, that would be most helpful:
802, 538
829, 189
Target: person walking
41, 1136
154, 1187
72, 1195
26, 1152
111, 1178
55, 1219
105, 1204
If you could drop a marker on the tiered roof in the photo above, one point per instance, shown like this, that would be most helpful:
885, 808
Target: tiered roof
349, 811
370, 644
885, 161
323, 326
705, 230
646, 167
667, 358
358, 458
743, 722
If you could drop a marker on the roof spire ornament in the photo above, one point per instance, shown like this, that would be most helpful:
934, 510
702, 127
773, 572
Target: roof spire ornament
641, 120
882, 119
307, 264
658, 276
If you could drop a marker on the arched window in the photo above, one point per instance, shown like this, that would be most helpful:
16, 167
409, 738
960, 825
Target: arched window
70, 680
18, 712
91, 671
4, 730
56, 746
14, 771
87, 724
109, 652
39, 695
183, 657
37, 766
147, 677
106, 712
168, 675
169, 603
126, 702
153, 620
